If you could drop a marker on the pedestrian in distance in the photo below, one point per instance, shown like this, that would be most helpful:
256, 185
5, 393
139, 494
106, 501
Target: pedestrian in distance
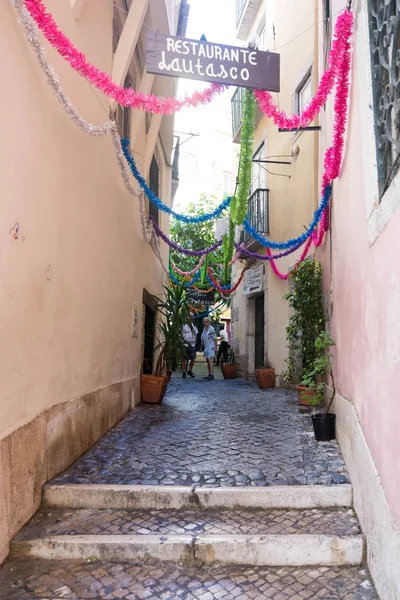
209, 341
189, 334
223, 346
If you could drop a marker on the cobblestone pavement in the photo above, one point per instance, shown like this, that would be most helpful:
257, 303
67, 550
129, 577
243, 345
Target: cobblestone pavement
78, 581
213, 433
49, 522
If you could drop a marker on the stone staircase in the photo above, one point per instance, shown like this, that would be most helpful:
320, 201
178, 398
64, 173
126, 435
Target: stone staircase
262, 540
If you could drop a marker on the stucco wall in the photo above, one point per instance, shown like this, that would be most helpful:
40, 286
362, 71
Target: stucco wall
80, 261
365, 286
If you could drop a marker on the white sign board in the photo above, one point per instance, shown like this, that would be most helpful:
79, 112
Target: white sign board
253, 281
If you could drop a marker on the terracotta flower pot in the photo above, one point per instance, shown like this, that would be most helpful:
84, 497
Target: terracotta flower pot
265, 378
228, 371
305, 395
153, 388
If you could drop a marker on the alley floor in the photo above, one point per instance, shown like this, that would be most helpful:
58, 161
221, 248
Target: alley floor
215, 434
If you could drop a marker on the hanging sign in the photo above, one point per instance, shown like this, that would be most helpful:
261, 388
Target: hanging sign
196, 298
198, 59
253, 281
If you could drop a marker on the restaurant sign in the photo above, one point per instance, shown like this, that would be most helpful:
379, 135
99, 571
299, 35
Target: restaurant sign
198, 59
199, 298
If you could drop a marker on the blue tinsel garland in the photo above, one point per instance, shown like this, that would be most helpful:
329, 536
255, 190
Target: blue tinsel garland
223, 287
301, 238
189, 283
215, 214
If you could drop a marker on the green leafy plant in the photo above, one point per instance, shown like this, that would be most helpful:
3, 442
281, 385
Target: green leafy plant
314, 378
231, 358
307, 320
174, 309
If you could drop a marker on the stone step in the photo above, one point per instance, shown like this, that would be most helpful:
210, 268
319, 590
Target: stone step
167, 497
52, 522
25, 580
265, 550
193, 537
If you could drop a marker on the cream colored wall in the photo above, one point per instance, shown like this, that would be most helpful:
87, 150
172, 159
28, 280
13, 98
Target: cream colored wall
69, 281
291, 201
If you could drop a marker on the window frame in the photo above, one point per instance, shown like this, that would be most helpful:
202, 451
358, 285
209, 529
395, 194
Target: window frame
307, 80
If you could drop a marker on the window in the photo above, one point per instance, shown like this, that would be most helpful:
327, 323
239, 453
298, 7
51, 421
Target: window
384, 22
303, 93
154, 186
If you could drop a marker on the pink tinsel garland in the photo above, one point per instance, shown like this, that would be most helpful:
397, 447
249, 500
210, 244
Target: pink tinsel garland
103, 81
188, 273
343, 30
302, 257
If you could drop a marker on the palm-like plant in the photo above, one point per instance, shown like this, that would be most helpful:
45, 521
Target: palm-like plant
174, 309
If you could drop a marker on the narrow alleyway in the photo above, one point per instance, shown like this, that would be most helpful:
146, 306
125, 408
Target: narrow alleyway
189, 538
221, 433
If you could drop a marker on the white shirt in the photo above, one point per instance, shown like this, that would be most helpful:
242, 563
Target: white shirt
189, 333
223, 336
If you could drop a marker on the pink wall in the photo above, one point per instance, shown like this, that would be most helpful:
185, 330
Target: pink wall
365, 299
69, 281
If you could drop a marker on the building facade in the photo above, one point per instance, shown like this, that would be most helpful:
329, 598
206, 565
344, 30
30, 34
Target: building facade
284, 189
362, 279
77, 275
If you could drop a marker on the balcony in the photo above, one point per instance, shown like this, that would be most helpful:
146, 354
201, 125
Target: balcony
258, 217
246, 12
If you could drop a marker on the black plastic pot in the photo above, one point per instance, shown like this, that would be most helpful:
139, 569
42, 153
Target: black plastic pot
324, 427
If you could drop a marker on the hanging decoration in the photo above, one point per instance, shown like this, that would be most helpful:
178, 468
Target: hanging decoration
172, 244
242, 249
187, 284
302, 257
342, 35
101, 80
188, 273
215, 214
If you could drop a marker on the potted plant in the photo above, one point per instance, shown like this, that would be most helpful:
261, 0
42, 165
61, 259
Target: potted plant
265, 377
306, 322
175, 313
228, 369
314, 382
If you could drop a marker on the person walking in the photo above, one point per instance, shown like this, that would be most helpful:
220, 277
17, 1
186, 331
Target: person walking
209, 341
189, 334
223, 345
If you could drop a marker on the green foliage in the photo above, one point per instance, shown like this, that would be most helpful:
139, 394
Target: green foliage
196, 236
231, 359
174, 309
239, 203
314, 378
307, 320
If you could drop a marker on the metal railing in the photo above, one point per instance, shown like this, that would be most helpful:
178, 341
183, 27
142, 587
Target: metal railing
258, 212
240, 4
237, 111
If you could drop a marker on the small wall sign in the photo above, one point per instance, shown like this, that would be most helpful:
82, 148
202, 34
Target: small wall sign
253, 281
198, 59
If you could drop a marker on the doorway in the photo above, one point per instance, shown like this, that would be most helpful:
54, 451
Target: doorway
259, 332
149, 331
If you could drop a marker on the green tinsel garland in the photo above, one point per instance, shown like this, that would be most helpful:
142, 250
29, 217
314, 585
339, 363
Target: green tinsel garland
229, 240
239, 202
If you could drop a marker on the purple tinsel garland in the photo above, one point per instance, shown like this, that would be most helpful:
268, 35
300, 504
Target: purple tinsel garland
266, 257
178, 248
